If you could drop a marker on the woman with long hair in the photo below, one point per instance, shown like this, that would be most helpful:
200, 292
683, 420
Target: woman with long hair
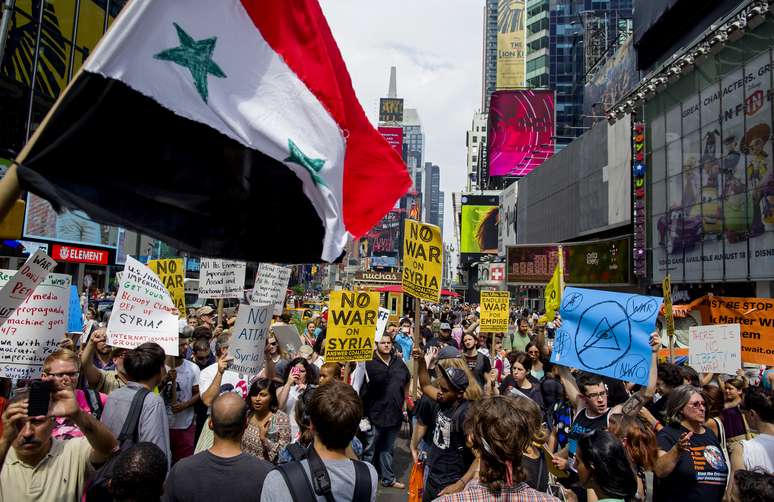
300, 374
640, 444
715, 398
499, 431
268, 428
519, 381
734, 421
604, 467
533, 463
533, 351
691, 466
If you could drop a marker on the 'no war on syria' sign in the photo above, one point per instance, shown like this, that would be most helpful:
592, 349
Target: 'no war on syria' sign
422, 261
351, 326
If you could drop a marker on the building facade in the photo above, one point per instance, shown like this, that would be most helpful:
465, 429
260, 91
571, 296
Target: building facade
475, 141
489, 54
432, 206
537, 41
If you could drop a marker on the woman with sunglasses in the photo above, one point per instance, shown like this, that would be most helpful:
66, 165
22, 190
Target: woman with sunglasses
268, 429
691, 466
533, 352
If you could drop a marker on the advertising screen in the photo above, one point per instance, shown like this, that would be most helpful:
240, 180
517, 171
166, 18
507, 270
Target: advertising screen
394, 136
391, 110
510, 44
480, 215
520, 131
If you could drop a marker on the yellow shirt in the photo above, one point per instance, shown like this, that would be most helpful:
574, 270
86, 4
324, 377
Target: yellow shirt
108, 382
59, 477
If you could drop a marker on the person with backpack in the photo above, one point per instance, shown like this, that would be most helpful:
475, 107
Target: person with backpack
326, 474
223, 472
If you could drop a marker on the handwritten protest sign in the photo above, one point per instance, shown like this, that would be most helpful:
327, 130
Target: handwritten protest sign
494, 311
351, 326
221, 278
248, 338
288, 338
756, 319
715, 348
381, 322
271, 285
171, 272
74, 315
35, 328
422, 261
606, 333
143, 311
23, 283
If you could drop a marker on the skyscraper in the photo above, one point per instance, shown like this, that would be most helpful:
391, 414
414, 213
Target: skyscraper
432, 196
413, 146
537, 43
489, 59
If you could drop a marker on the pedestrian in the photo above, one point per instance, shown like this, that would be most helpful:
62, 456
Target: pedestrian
757, 453
639, 442
668, 378
752, 486
537, 370
34, 466
520, 378
478, 363
181, 395
334, 412
691, 466
268, 428
735, 424
105, 381
300, 375
138, 474
386, 389
404, 341
145, 369
518, 341
499, 431
223, 472
604, 467
206, 316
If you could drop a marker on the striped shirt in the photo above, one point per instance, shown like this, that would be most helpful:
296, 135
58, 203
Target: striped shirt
476, 492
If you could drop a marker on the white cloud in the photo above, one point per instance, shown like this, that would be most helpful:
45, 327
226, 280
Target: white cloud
436, 46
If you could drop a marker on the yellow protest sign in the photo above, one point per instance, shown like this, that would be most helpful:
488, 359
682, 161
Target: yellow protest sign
351, 326
422, 261
494, 311
171, 271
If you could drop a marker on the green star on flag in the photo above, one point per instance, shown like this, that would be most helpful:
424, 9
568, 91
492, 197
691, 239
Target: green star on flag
313, 166
196, 55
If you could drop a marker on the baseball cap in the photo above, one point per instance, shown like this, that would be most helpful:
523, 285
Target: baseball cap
448, 352
305, 351
206, 310
456, 377
445, 326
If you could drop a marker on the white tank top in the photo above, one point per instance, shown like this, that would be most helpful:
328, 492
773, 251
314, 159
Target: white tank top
759, 452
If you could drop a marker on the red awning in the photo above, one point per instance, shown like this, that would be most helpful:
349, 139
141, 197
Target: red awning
396, 288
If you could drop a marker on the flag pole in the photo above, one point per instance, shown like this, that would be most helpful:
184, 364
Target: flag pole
417, 344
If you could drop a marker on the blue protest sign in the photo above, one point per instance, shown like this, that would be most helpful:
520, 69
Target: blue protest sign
75, 318
606, 333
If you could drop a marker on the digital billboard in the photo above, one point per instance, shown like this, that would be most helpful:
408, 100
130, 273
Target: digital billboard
511, 27
394, 136
391, 110
520, 131
478, 228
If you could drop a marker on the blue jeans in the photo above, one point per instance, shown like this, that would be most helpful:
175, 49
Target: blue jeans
380, 447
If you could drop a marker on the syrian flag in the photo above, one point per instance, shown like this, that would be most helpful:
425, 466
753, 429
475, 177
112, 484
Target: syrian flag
226, 128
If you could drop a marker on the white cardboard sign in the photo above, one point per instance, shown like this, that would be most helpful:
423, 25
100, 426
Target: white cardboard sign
715, 348
381, 322
271, 285
35, 328
221, 278
23, 283
248, 338
143, 311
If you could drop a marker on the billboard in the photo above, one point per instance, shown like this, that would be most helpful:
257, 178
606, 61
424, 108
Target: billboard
520, 131
611, 81
511, 26
507, 226
391, 110
712, 193
74, 227
394, 137
478, 228
604, 263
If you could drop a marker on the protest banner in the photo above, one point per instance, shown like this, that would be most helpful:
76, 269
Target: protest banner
715, 348
351, 326
74, 315
143, 311
494, 311
36, 326
248, 338
287, 337
422, 261
221, 278
171, 272
23, 283
271, 286
606, 333
756, 319
381, 322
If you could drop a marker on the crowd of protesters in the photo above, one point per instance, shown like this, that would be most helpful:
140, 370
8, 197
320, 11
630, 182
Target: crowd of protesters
489, 418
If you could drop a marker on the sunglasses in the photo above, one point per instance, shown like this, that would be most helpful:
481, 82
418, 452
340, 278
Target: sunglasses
697, 404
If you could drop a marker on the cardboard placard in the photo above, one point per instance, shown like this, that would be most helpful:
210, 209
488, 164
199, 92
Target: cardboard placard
422, 261
756, 319
351, 326
248, 338
221, 278
271, 285
495, 311
381, 323
715, 348
143, 311
23, 282
287, 337
171, 272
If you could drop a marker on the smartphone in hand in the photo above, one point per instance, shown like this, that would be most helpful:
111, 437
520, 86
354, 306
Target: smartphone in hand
39, 398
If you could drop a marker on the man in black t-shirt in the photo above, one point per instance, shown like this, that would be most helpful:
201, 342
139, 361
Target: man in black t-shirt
223, 469
450, 461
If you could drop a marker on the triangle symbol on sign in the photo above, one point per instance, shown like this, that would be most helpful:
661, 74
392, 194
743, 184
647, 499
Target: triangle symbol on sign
603, 337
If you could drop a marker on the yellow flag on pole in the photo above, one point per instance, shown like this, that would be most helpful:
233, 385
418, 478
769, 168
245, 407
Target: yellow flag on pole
554, 289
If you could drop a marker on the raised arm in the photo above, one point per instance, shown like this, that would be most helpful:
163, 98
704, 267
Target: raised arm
635, 402
213, 390
88, 369
425, 384
100, 438
570, 386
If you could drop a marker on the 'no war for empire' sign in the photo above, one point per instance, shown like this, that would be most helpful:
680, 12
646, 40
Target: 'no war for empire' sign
494, 311
351, 326
422, 261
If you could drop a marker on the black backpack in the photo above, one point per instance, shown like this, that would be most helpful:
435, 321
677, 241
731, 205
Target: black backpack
303, 490
98, 490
